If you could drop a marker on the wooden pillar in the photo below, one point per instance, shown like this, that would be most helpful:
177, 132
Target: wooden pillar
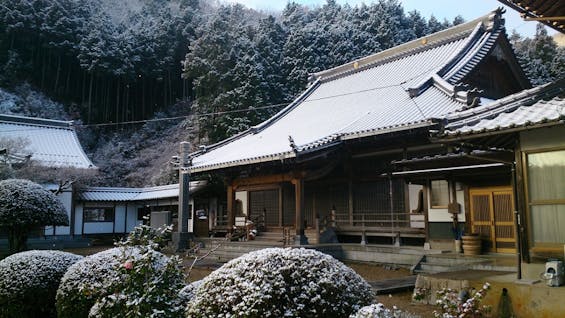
281, 207
230, 207
521, 206
350, 203
300, 238
425, 189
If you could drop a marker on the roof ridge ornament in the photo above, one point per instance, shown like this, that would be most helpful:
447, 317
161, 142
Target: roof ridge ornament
292, 144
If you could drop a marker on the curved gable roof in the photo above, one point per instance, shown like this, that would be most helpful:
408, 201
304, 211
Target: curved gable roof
52, 143
404, 87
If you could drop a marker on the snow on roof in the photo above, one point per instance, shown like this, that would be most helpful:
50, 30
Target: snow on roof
540, 105
52, 143
135, 194
405, 87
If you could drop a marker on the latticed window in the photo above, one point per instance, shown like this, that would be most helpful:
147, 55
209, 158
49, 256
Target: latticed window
372, 203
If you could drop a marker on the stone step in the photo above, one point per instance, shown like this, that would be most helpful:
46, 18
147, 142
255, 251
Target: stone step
226, 253
452, 260
494, 267
435, 268
393, 285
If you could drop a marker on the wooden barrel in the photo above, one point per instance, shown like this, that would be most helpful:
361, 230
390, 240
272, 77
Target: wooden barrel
471, 244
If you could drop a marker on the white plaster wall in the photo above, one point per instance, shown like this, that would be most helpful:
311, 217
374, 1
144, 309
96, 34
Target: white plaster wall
78, 218
132, 220
543, 138
413, 191
98, 228
66, 198
119, 217
191, 216
212, 210
242, 195
442, 215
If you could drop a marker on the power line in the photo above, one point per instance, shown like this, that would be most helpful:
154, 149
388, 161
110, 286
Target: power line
268, 106
184, 117
257, 108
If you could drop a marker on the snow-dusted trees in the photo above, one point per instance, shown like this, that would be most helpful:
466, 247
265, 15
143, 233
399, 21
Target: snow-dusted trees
241, 60
117, 61
540, 56
24, 206
228, 71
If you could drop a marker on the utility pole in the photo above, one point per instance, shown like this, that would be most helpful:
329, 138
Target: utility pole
182, 235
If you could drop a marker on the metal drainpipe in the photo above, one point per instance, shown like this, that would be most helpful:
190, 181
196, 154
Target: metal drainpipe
518, 222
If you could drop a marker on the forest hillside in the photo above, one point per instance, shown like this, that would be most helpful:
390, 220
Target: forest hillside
139, 76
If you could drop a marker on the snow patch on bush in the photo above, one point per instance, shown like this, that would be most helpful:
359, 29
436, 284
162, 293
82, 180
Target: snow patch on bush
278, 282
380, 311
188, 291
88, 280
145, 288
29, 281
8, 101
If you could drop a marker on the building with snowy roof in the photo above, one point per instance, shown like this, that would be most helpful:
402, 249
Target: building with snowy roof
50, 143
328, 157
116, 211
411, 145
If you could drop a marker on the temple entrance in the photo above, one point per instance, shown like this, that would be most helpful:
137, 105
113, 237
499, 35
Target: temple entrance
492, 216
264, 207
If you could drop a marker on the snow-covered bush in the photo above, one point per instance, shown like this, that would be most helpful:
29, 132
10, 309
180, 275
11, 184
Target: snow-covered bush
188, 291
380, 311
146, 286
462, 304
131, 280
90, 279
29, 282
148, 237
25, 205
278, 282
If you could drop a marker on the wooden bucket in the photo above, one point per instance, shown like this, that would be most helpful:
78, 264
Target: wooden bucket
471, 244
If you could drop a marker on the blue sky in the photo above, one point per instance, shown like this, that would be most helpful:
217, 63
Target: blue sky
468, 9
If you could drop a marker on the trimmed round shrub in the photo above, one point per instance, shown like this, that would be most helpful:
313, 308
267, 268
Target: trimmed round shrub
278, 282
380, 311
29, 282
146, 288
188, 291
91, 278
24, 206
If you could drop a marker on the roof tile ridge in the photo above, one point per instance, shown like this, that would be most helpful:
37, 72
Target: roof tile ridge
450, 62
159, 188
475, 43
36, 121
109, 189
505, 104
385, 60
411, 47
473, 53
